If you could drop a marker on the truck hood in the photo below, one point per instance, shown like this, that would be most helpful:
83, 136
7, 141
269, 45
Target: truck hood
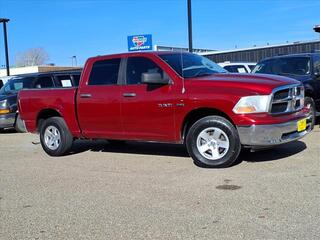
256, 83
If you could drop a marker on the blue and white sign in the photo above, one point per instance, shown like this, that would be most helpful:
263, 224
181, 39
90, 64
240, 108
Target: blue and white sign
140, 42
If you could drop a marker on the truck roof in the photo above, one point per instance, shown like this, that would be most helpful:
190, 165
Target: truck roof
37, 74
127, 54
293, 55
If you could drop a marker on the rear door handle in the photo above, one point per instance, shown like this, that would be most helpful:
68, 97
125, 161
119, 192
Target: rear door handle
85, 95
129, 94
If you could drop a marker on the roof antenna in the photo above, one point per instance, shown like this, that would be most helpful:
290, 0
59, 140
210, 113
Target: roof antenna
181, 59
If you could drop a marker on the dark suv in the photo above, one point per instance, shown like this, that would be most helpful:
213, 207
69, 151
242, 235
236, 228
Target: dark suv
9, 116
304, 67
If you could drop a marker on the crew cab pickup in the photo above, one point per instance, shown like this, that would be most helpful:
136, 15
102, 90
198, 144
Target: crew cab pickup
169, 97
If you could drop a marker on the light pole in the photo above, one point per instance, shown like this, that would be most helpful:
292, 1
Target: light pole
74, 58
317, 28
189, 25
4, 21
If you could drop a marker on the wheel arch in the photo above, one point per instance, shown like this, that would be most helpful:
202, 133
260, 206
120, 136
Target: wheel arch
197, 114
45, 114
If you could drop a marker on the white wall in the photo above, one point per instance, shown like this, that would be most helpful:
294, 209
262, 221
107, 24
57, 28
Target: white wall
19, 70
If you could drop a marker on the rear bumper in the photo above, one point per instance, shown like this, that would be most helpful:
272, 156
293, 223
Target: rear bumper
7, 120
271, 135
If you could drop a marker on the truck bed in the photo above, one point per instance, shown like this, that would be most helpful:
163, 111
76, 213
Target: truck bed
33, 102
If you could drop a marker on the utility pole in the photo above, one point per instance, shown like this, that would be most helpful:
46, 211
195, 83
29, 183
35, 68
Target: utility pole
189, 25
4, 21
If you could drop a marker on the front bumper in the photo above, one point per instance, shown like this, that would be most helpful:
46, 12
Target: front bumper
7, 120
271, 135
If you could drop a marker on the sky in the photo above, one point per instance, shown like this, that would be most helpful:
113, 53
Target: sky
86, 28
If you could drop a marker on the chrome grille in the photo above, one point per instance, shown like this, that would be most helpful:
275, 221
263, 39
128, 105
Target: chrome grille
287, 99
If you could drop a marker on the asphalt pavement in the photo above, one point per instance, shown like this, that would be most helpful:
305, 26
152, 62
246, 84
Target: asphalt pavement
154, 191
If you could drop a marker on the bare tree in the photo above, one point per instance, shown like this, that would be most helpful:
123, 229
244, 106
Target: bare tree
32, 57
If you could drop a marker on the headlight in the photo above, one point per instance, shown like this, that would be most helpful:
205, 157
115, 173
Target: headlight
4, 104
4, 107
252, 104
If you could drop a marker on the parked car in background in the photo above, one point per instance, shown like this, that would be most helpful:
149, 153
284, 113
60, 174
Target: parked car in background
9, 116
168, 97
302, 67
238, 67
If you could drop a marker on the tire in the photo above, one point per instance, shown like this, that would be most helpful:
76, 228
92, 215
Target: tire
218, 140
308, 102
55, 127
19, 126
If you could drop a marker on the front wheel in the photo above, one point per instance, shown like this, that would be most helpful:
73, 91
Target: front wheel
213, 142
55, 137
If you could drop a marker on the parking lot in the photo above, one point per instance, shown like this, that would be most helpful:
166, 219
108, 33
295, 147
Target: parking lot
154, 191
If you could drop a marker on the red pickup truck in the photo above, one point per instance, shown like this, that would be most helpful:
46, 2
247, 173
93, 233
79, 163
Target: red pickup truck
169, 97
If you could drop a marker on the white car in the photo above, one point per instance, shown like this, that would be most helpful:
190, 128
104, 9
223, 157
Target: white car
238, 67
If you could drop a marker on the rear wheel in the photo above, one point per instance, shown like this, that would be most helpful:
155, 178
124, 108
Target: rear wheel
309, 103
213, 142
55, 137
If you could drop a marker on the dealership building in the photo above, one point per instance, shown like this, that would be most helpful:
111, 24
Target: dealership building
254, 54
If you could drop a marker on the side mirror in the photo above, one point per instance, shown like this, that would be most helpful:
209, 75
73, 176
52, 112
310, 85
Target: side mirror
1, 83
153, 78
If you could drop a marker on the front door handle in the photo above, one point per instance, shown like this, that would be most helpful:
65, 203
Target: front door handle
129, 94
85, 95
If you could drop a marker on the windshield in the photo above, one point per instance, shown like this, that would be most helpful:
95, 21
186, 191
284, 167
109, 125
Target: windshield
16, 84
190, 65
284, 66
251, 67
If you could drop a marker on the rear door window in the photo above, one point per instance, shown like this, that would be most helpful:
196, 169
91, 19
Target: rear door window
294, 65
63, 81
105, 72
44, 82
